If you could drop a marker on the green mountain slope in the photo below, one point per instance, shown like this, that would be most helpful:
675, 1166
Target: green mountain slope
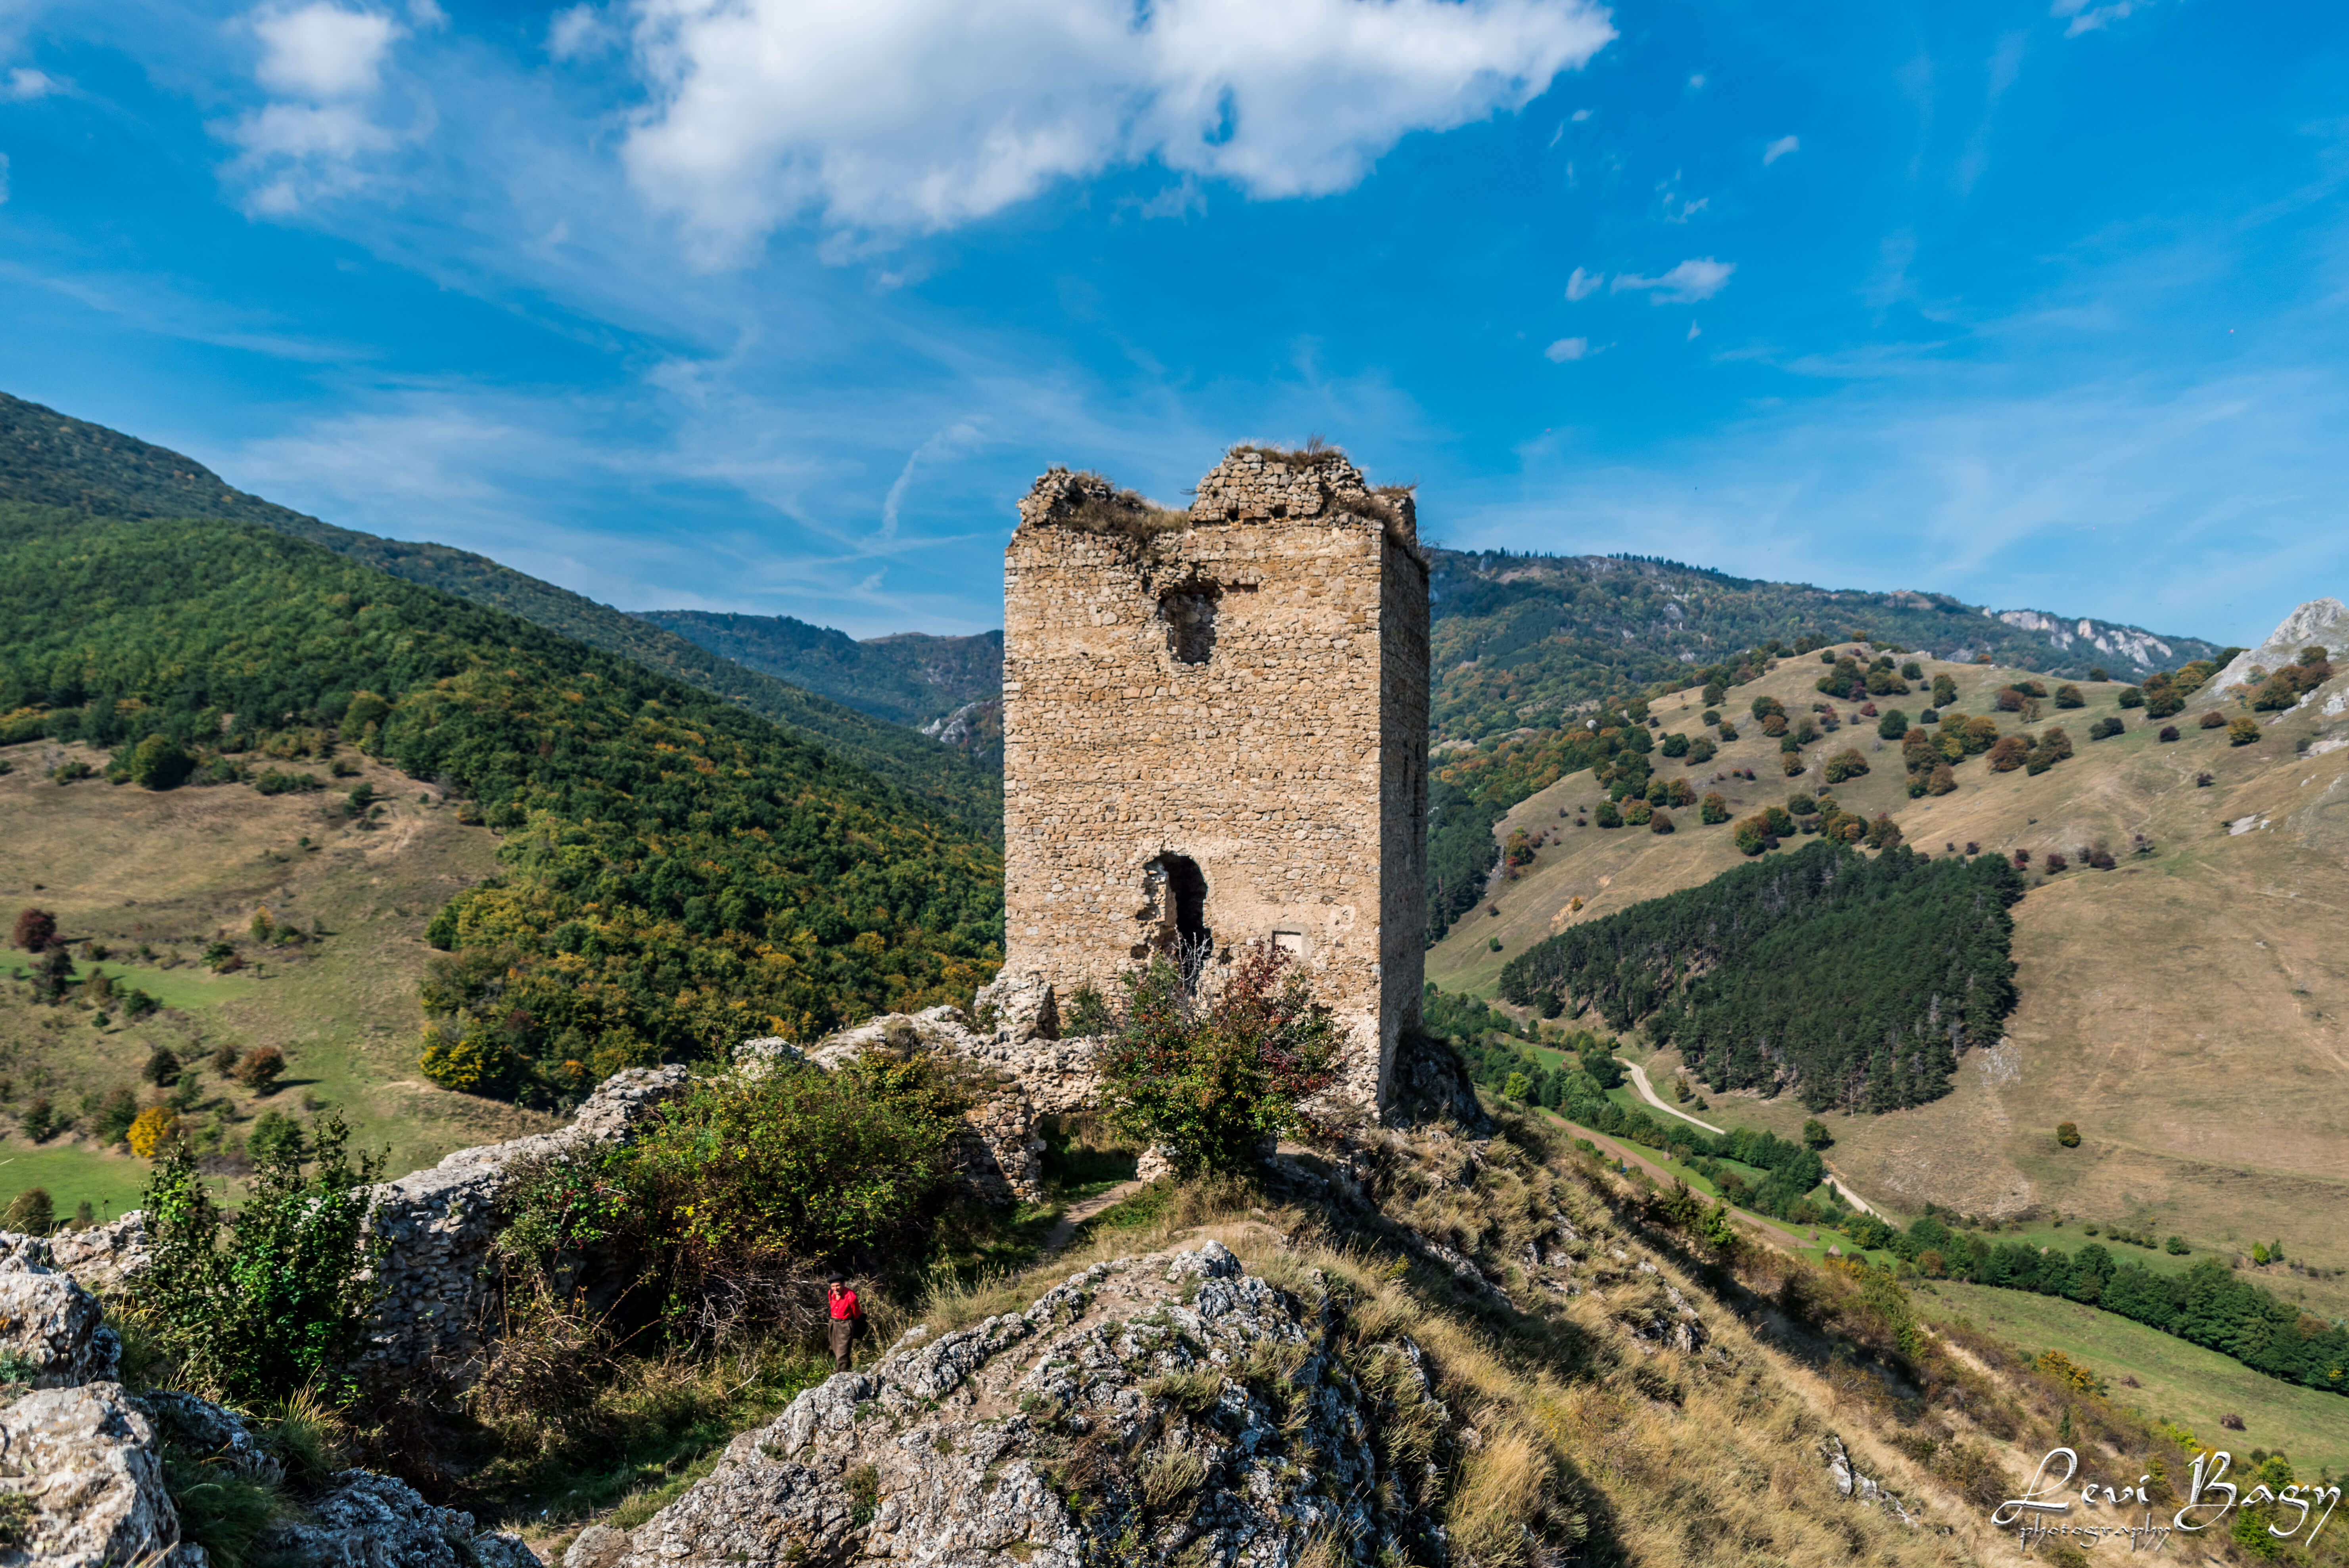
676, 872
910, 678
48, 459
1524, 639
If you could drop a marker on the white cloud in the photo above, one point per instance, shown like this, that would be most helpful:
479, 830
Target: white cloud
321, 52
1697, 80
1582, 285
2087, 18
1696, 279
3, 179
1578, 116
1566, 348
25, 83
1779, 148
907, 115
1694, 333
324, 64
577, 33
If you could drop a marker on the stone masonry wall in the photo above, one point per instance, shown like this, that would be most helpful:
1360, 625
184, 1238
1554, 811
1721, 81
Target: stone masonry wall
1244, 686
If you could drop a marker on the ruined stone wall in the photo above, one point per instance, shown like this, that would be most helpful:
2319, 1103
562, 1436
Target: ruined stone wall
1242, 689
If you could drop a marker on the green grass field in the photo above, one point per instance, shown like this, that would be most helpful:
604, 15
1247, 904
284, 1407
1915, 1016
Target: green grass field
72, 1173
2179, 1381
188, 987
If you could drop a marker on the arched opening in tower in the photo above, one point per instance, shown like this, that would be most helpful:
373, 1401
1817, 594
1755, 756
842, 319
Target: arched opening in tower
1177, 913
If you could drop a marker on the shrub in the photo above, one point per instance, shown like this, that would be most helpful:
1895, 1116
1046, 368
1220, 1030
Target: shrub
220, 958
1492, 944
153, 1129
2069, 697
2167, 732
1087, 1014
1674, 745
1774, 725
2055, 863
2011, 753
30, 1214
476, 1061
224, 1059
1893, 725
276, 1136
1661, 822
1210, 1084
1608, 816
2243, 732
1763, 707
2105, 728
1638, 812
793, 1164
1727, 731
158, 762
259, 1068
36, 930
1751, 835
2212, 719
2175, 1246
2132, 697
162, 1069
1846, 764
280, 1300
111, 1115
2204, 780
40, 1120
1713, 809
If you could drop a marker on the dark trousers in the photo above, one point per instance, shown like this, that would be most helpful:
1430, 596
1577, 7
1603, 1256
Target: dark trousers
843, 1331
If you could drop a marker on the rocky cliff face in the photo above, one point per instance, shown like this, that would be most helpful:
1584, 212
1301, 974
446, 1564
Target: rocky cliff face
1172, 1403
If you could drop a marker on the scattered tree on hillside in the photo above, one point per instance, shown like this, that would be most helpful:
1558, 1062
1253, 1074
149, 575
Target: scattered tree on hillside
1893, 725
1846, 764
160, 762
2243, 732
2069, 697
2212, 719
1816, 1134
2067, 1133
259, 1068
2167, 732
1942, 780
162, 1069
30, 1214
36, 930
2096, 673
1713, 809
2132, 697
1661, 822
2106, 728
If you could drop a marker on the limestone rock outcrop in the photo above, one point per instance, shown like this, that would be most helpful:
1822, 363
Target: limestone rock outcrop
89, 1462
369, 1520
52, 1331
1173, 1401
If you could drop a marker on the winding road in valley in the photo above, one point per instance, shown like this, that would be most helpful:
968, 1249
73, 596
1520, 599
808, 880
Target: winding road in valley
1648, 1093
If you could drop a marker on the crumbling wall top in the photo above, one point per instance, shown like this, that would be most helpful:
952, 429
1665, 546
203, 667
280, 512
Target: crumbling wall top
1252, 484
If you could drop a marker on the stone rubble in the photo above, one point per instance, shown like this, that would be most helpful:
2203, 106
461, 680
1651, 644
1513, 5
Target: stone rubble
1136, 1396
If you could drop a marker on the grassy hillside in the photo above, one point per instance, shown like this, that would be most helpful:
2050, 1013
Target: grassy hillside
910, 678
676, 872
154, 878
48, 459
1521, 639
2184, 1008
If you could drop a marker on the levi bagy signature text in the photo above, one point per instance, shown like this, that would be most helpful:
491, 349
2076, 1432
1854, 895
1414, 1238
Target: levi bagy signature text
2038, 1515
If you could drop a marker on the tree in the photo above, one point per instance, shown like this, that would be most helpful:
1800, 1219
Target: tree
1661, 822
1639, 812
2212, 719
1846, 764
259, 1068
1608, 816
41, 1120
280, 1299
2096, 673
1942, 780
162, 1069
1211, 1083
2131, 696
2067, 1133
30, 1214
1713, 809
152, 1130
1816, 1134
158, 762
2106, 728
36, 930
1674, 745
1751, 835
2243, 732
1893, 725
1516, 1086
2167, 732
2011, 753
2175, 1246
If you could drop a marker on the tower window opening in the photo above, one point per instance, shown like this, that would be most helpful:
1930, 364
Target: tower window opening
1178, 912
1190, 617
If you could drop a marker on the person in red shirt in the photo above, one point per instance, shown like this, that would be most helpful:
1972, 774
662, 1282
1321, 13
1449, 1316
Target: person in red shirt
847, 1313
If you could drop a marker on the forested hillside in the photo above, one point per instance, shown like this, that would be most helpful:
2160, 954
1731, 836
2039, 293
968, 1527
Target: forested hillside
1522, 639
677, 872
1855, 982
909, 678
48, 459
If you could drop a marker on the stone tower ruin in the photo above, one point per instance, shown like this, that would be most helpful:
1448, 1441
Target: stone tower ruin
1216, 731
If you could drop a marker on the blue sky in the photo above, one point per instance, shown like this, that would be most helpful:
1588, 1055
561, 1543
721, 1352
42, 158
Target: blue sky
763, 305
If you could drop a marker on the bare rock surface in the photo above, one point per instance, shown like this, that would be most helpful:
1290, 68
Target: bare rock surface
90, 1460
52, 1332
371, 1520
1172, 1401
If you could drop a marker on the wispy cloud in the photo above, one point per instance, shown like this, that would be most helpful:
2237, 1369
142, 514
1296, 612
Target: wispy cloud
1566, 348
1582, 285
324, 65
2089, 17
1779, 148
25, 84
1699, 278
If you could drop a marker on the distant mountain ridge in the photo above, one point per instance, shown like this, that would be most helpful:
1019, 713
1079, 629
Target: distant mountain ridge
49, 458
908, 678
1525, 639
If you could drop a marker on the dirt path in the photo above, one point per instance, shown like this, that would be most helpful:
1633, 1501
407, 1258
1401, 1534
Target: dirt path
1772, 1231
1065, 1228
1648, 1093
